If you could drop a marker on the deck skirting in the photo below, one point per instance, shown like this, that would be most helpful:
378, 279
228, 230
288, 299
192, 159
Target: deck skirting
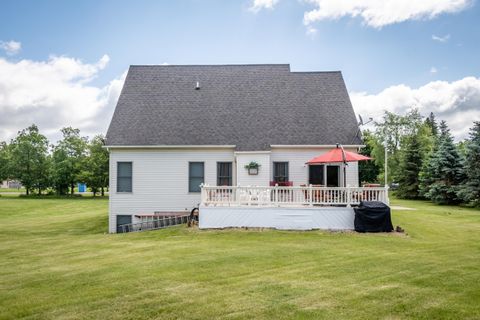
291, 218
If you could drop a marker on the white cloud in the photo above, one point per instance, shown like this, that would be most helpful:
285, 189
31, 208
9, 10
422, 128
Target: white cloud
443, 39
457, 102
433, 70
311, 31
53, 94
379, 13
258, 5
11, 47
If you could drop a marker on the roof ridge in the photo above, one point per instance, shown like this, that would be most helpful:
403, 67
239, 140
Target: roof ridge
211, 65
332, 71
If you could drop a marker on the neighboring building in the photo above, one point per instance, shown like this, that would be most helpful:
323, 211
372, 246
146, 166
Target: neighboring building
176, 127
12, 184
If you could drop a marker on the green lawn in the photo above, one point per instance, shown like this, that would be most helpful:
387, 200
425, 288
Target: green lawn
12, 190
57, 262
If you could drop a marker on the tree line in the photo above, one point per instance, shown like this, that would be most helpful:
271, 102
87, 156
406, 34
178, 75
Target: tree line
55, 168
424, 159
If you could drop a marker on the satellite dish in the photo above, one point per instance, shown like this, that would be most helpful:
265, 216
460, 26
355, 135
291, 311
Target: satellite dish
361, 120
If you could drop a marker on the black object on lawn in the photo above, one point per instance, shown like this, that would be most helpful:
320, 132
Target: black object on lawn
373, 216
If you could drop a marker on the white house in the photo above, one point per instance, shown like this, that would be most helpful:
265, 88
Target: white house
178, 127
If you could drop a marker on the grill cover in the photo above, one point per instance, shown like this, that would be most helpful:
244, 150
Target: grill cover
373, 216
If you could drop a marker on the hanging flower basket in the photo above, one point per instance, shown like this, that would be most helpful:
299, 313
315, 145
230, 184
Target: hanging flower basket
252, 168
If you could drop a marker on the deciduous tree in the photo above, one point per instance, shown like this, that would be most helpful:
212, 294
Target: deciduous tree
95, 168
29, 159
68, 158
368, 170
5, 161
390, 134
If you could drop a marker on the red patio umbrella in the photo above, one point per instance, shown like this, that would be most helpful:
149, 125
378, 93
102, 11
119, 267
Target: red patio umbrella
338, 155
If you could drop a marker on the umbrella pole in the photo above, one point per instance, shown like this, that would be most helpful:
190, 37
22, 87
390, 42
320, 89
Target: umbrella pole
344, 165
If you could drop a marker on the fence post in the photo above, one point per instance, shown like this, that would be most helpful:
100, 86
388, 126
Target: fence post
203, 195
310, 195
349, 197
237, 195
276, 194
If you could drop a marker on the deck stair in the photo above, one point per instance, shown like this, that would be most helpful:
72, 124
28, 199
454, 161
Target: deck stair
159, 222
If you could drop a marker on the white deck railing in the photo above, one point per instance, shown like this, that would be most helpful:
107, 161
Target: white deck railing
290, 196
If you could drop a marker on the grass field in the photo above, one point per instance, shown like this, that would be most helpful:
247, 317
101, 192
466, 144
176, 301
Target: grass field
12, 190
58, 263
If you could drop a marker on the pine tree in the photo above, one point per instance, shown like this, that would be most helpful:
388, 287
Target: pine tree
410, 165
444, 172
470, 190
432, 123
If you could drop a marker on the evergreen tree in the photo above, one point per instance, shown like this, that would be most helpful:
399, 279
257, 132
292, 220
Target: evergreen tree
443, 174
470, 190
410, 165
432, 123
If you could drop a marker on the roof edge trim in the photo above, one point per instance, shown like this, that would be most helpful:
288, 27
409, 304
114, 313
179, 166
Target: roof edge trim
303, 146
171, 146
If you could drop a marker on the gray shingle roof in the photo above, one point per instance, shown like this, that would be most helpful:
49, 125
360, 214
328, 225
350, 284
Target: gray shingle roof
250, 106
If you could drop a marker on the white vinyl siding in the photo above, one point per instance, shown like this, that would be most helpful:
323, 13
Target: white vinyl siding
298, 169
264, 173
160, 179
352, 174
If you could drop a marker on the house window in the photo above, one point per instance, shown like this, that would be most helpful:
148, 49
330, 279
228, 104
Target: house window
196, 176
280, 171
316, 175
124, 177
224, 173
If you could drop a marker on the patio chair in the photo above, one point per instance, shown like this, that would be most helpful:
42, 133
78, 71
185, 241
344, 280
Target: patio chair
243, 196
264, 196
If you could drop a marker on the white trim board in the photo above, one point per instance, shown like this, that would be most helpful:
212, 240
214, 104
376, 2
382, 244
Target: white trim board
173, 147
320, 146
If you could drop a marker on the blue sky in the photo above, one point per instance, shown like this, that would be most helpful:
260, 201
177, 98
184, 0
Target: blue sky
386, 64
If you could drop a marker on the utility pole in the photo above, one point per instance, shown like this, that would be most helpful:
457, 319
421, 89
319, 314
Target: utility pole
386, 164
386, 156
